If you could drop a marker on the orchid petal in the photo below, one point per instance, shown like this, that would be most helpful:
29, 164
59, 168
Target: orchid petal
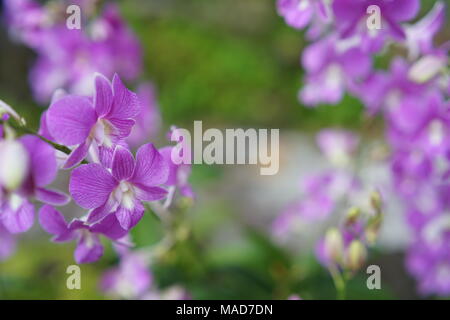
90, 185
70, 119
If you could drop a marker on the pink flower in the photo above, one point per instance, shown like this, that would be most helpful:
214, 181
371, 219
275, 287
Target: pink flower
16, 209
89, 248
122, 190
78, 121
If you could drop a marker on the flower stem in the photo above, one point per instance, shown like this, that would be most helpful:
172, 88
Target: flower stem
21, 127
339, 283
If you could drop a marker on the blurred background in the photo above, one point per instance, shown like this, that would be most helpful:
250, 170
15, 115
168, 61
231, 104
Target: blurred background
231, 64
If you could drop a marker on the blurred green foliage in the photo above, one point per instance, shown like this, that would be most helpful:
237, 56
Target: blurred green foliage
213, 66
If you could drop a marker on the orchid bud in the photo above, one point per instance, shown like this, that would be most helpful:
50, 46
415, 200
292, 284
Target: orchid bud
352, 216
6, 109
373, 228
426, 68
14, 163
375, 201
334, 245
356, 255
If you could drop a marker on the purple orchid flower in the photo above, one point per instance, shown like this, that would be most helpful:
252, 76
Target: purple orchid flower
61, 157
178, 174
124, 188
323, 191
131, 279
418, 131
419, 36
424, 205
68, 59
385, 90
78, 121
428, 257
111, 33
410, 170
350, 14
337, 145
421, 125
16, 210
26, 19
299, 13
427, 214
332, 67
89, 248
413, 98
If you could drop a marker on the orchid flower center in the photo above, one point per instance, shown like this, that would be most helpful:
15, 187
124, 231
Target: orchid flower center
346, 44
125, 288
437, 228
426, 68
338, 155
88, 238
303, 5
124, 195
393, 98
15, 201
436, 132
334, 76
101, 133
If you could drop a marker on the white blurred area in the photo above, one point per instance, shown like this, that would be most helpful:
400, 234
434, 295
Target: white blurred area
258, 199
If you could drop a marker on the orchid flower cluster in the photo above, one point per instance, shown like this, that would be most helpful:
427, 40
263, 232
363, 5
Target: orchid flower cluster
326, 194
322, 192
90, 128
107, 181
343, 251
133, 280
412, 96
68, 58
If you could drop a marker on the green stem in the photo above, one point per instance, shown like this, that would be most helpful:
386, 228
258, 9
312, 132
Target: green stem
23, 129
339, 283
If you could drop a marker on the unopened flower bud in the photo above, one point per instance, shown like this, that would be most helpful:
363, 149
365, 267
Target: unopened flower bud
334, 245
426, 68
356, 255
352, 216
5, 109
373, 228
375, 201
14, 162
